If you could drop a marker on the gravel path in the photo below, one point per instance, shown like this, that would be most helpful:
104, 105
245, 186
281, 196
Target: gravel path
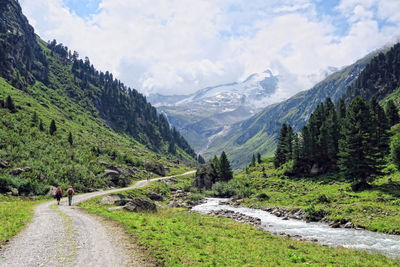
67, 236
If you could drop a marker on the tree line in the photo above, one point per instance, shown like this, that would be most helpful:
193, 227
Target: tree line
352, 139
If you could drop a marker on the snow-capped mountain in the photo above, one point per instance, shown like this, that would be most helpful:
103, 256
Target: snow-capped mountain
253, 93
211, 111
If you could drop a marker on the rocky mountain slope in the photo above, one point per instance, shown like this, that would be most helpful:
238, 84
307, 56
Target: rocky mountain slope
209, 112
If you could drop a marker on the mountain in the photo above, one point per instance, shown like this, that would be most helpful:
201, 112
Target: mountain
211, 111
258, 134
112, 126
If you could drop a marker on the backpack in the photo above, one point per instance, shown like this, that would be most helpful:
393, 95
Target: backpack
70, 191
58, 192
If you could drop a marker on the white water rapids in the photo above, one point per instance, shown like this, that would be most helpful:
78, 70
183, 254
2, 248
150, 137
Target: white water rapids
372, 242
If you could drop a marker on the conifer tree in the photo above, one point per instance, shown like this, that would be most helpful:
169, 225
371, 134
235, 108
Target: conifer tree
259, 158
281, 152
70, 140
10, 104
392, 113
34, 118
357, 157
253, 161
200, 159
41, 127
225, 173
53, 127
171, 148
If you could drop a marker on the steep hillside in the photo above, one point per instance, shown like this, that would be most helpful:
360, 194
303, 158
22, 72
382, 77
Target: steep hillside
258, 134
112, 126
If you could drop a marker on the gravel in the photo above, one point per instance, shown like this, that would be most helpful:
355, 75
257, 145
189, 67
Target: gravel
67, 236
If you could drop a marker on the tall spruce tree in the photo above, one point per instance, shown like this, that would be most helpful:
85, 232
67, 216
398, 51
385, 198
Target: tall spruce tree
357, 156
253, 161
225, 173
281, 149
259, 158
10, 104
392, 113
53, 127
70, 139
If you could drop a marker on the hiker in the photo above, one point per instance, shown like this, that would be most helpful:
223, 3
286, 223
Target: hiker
70, 192
58, 195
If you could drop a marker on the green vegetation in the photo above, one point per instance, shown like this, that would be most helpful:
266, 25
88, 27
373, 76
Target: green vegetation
64, 122
175, 237
15, 213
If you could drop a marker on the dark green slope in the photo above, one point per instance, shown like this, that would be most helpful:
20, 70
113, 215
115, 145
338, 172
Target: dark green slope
258, 134
113, 126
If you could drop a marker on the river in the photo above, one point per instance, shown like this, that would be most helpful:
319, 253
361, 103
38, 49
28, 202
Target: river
371, 242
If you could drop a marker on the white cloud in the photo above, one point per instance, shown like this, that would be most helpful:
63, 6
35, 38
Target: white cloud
178, 46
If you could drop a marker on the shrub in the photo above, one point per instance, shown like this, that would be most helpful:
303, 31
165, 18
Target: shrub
263, 196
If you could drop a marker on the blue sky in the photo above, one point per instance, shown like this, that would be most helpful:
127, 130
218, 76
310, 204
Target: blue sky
179, 46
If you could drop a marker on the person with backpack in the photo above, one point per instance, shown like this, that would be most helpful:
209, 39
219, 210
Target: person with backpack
70, 192
58, 195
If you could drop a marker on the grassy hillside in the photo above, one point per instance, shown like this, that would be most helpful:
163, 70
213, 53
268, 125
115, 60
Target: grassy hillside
50, 160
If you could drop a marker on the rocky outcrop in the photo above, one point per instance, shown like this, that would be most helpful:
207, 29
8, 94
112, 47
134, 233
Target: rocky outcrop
118, 177
111, 199
140, 205
154, 196
155, 167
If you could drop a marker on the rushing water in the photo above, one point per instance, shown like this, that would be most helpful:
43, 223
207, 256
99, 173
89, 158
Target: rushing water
349, 238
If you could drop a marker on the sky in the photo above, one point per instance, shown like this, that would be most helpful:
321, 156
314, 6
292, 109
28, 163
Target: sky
180, 46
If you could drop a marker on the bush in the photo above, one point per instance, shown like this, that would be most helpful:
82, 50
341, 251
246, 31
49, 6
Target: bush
263, 196
395, 151
396, 202
234, 188
196, 197
222, 189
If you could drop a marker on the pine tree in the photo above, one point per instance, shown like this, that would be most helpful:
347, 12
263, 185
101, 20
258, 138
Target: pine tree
53, 127
200, 159
10, 104
357, 157
381, 130
34, 118
171, 148
70, 140
41, 127
281, 149
259, 158
392, 113
225, 168
253, 161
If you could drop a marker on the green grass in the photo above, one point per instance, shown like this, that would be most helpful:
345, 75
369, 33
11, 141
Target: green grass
374, 209
50, 159
176, 237
15, 213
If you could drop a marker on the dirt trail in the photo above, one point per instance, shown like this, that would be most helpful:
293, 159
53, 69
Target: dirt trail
67, 236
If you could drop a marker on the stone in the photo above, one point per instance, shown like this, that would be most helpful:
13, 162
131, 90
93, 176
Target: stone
14, 191
111, 173
154, 196
42, 177
140, 205
155, 167
52, 191
4, 164
323, 199
335, 225
348, 225
122, 202
110, 199
17, 171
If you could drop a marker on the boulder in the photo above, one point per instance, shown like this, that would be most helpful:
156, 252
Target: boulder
14, 191
122, 202
52, 191
335, 225
348, 225
111, 199
4, 164
139, 205
155, 167
154, 196
323, 199
111, 173
17, 171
